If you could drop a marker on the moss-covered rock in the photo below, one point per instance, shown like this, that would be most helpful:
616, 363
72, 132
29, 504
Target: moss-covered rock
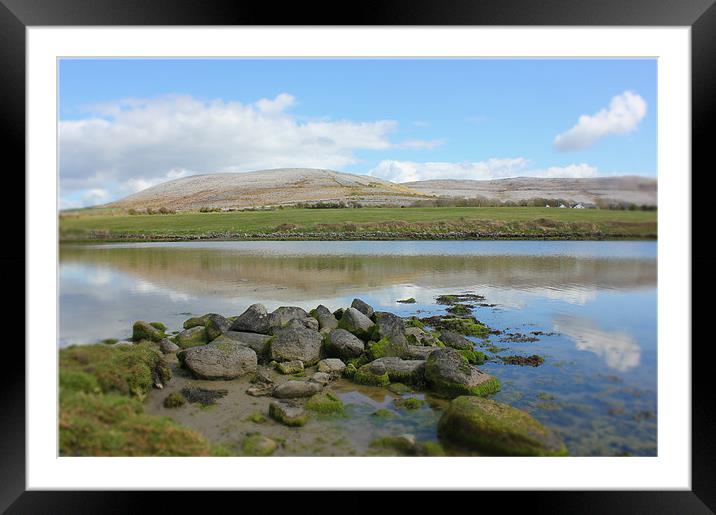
350, 371
371, 376
474, 357
258, 445
195, 321
410, 403
400, 370
192, 337
468, 326
410, 300
399, 388
460, 309
325, 403
159, 325
343, 344
290, 367
384, 413
174, 400
494, 428
288, 413
356, 322
389, 346
142, 330
257, 418
404, 444
449, 374
215, 325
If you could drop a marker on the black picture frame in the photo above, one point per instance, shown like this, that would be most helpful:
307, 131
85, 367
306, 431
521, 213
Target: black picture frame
16, 15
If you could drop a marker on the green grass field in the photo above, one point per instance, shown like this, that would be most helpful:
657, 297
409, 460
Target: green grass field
366, 223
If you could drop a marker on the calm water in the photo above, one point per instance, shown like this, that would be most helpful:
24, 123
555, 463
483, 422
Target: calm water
595, 302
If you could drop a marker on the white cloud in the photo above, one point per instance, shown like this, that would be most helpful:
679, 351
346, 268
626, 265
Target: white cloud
494, 168
624, 113
133, 143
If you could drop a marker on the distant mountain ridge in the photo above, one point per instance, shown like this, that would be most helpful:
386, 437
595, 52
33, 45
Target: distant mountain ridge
290, 186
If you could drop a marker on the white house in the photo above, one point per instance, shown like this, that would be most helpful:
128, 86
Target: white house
562, 206
578, 206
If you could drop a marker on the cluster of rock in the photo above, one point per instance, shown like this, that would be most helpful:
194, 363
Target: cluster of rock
367, 346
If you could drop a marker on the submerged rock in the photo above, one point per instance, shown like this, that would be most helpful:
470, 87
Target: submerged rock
344, 344
297, 343
332, 366
288, 413
494, 428
254, 320
296, 389
364, 308
192, 337
449, 374
325, 403
356, 322
225, 360
142, 330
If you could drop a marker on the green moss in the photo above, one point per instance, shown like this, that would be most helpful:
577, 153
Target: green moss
446, 299
78, 381
127, 370
114, 425
414, 322
195, 321
460, 309
258, 445
174, 400
364, 376
257, 418
277, 414
109, 341
473, 356
398, 443
495, 428
466, 326
359, 361
386, 347
384, 413
411, 300
143, 331
411, 403
158, 325
350, 370
325, 403
399, 388
433, 449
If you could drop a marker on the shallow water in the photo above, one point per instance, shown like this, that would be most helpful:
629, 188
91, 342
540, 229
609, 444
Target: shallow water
595, 302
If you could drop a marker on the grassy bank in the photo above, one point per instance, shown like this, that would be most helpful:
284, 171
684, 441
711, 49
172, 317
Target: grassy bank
366, 223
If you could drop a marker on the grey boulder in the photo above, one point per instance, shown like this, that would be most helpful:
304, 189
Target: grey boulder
254, 320
297, 343
295, 389
364, 308
343, 344
356, 322
225, 360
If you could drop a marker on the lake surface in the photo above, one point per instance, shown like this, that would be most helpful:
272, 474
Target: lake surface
593, 306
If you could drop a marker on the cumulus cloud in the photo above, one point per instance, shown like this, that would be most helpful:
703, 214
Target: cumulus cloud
494, 168
624, 113
134, 143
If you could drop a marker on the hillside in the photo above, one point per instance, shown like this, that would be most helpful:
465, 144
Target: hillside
628, 189
268, 188
290, 186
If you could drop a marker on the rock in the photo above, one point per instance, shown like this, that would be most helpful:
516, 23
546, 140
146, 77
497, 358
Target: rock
373, 374
325, 403
449, 374
288, 413
258, 445
321, 378
326, 320
364, 308
260, 390
395, 345
285, 316
215, 325
400, 370
192, 337
167, 346
263, 375
404, 444
494, 428
417, 336
387, 324
260, 343
343, 344
456, 340
254, 320
356, 322
226, 360
332, 366
195, 321
296, 389
297, 343
419, 352
290, 367
142, 330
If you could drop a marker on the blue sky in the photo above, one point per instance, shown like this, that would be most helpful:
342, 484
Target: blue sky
128, 124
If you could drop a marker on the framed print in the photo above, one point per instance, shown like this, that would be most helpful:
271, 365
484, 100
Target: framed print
448, 241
